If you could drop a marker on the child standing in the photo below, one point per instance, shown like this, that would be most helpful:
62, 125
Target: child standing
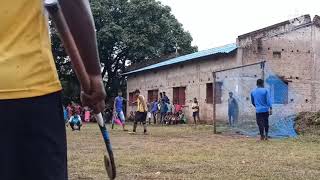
118, 110
195, 109
149, 106
86, 114
154, 111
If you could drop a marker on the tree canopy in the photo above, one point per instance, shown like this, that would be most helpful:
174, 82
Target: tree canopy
128, 32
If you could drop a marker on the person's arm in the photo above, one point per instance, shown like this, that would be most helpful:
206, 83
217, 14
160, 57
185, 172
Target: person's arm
252, 100
236, 105
269, 103
80, 22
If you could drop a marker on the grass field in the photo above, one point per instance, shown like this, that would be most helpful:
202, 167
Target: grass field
186, 152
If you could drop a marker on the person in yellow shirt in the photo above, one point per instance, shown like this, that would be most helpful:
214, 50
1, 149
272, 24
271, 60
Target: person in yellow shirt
32, 130
141, 114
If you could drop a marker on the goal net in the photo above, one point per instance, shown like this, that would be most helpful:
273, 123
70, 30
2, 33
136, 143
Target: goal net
234, 109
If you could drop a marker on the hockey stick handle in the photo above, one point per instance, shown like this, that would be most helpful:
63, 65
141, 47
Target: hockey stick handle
70, 45
81, 73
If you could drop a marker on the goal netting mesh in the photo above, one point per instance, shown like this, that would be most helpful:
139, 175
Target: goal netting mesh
241, 113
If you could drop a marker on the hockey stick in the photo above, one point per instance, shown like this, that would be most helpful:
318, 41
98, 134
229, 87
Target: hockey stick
53, 8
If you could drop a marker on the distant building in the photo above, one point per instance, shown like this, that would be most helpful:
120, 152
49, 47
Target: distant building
291, 50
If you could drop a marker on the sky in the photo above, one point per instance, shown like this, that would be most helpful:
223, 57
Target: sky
214, 23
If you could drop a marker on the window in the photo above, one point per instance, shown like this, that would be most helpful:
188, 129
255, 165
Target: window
152, 95
276, 54
179, 95
132, 99
209, 93
279, 93
218, 92
278, 90
259, 44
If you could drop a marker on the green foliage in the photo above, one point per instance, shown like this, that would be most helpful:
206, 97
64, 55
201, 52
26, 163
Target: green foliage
129, 31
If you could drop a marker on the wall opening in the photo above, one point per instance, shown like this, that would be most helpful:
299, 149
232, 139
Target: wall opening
179, 95
132, 98
278, 90
276, 54
209, 93
153, 95
218, 92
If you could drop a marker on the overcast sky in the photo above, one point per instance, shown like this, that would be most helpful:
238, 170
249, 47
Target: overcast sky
214, 23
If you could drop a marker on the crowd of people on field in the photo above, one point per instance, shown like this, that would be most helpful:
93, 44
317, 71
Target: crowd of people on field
159, 111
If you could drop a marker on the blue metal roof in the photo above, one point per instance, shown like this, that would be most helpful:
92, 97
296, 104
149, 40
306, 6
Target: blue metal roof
223, 49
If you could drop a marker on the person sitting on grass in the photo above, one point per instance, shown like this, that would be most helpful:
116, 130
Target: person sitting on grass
75, 120
173, 119
182, 118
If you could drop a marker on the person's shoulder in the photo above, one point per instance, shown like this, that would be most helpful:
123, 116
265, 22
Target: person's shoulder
254, 90
265, 89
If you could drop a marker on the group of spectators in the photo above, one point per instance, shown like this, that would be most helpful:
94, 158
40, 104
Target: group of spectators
161, 110
164, 112
74, 114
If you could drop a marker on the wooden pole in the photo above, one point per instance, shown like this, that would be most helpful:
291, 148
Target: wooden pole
263, 68
214, 102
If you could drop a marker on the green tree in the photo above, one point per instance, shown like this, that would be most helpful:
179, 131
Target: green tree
71, 87
129, 32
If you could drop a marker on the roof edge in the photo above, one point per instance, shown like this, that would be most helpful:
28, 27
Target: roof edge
268, 28
187, 57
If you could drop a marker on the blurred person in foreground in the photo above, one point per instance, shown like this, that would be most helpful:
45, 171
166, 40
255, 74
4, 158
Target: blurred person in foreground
32, 133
